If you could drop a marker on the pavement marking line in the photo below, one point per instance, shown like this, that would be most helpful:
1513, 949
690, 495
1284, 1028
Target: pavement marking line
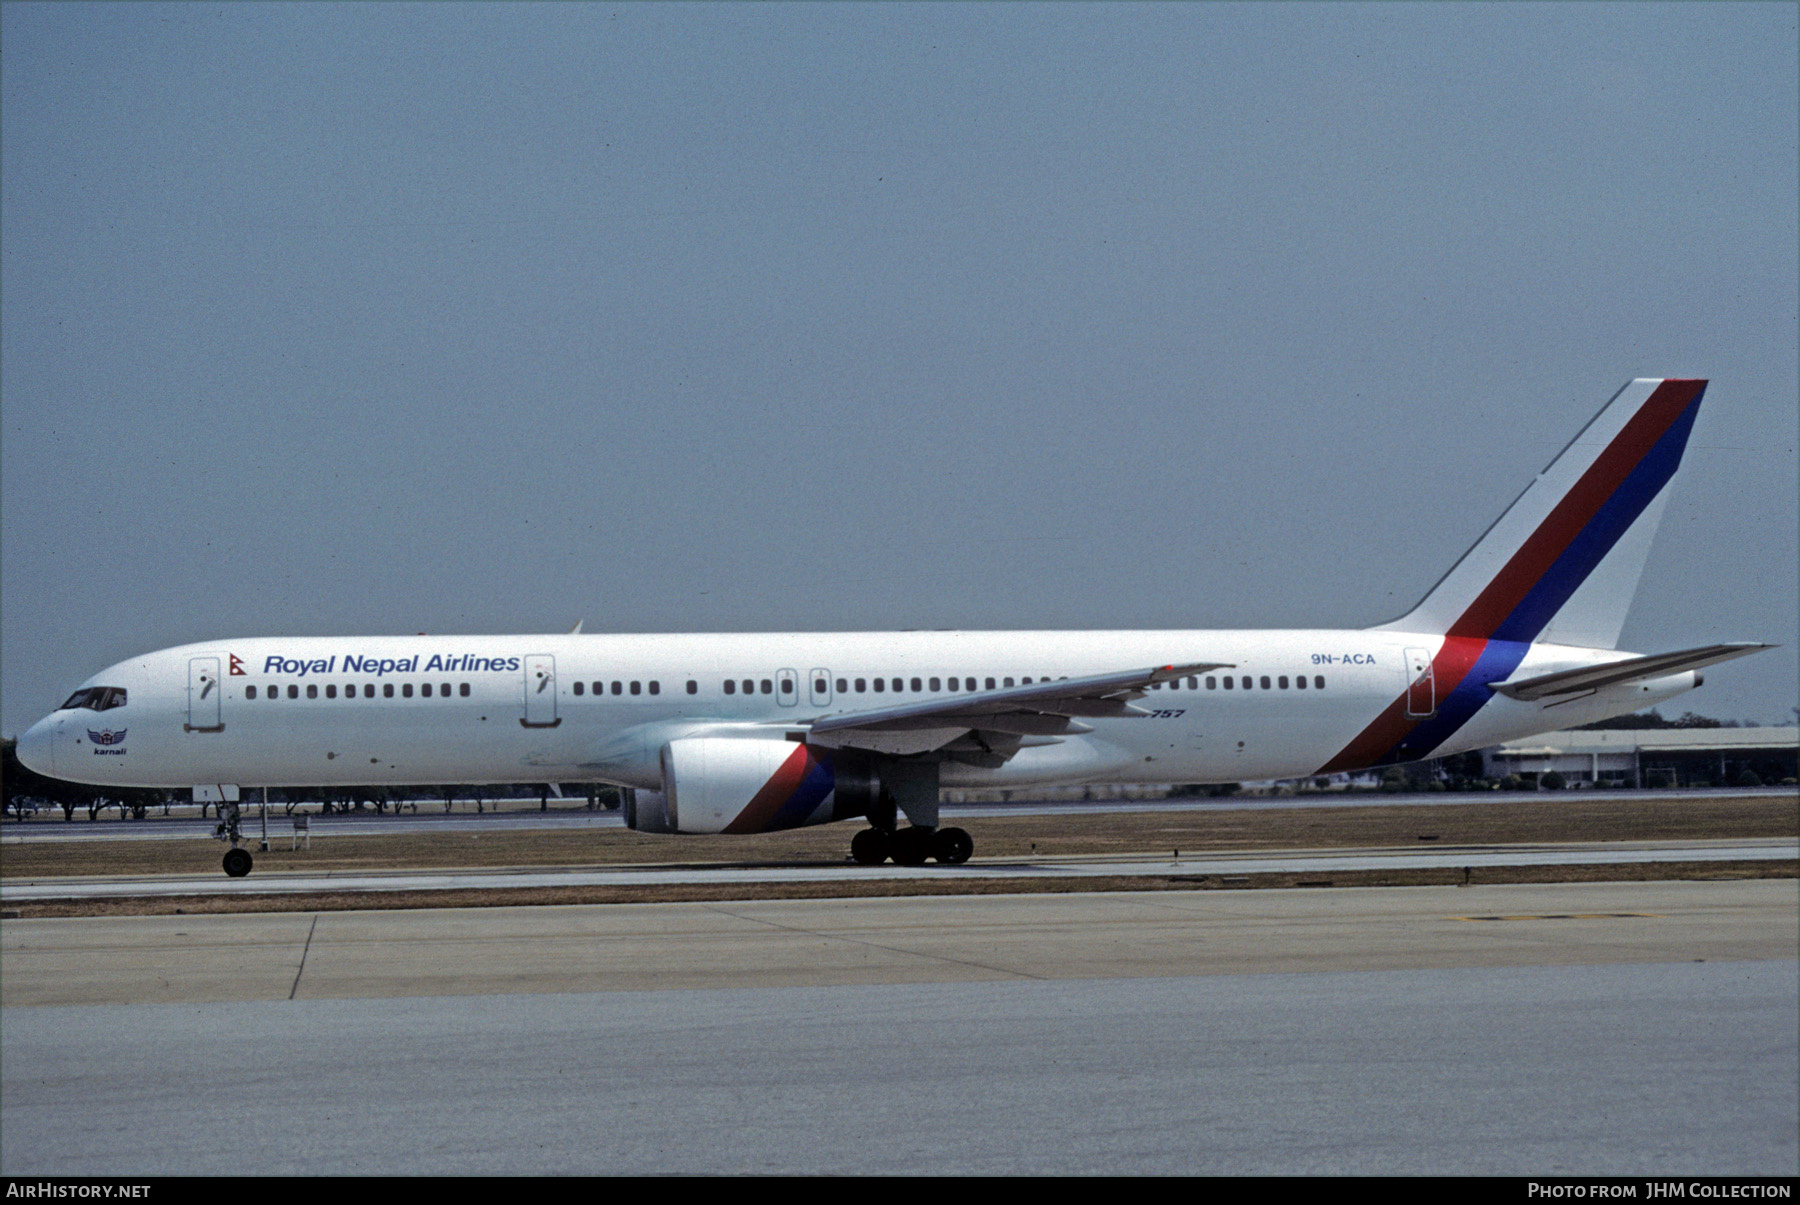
301, 969
1569, 916
874, 945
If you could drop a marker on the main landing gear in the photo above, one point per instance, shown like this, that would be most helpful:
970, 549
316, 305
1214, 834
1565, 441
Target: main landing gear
912, 846
237, 861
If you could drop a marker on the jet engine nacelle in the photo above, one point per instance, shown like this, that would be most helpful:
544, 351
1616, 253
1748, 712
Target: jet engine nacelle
727, 785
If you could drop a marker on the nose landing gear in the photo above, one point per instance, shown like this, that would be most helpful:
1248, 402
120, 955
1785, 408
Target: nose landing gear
237, 861
912, 846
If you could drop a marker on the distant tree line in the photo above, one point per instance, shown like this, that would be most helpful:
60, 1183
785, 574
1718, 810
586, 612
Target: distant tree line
19, 783
1654, 719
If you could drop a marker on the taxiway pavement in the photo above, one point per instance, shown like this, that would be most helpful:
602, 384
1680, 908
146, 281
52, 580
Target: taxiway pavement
1645, 1028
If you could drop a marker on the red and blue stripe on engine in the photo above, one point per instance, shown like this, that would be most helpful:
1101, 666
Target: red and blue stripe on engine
793, 793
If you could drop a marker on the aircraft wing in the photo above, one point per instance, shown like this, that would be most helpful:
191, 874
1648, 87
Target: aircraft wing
1633, 669
988, 727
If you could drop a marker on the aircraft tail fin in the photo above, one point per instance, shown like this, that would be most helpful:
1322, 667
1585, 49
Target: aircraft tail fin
1563, 561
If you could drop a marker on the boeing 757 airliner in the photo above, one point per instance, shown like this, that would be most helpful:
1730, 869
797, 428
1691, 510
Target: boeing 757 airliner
750, 733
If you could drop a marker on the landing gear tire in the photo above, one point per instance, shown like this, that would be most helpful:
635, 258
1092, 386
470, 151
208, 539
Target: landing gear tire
911, 846
952, 846
237, 862
869, 847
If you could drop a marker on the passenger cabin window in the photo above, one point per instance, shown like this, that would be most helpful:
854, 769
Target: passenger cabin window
768, 687
730, 687
1282, 681
312, 690
387, 690
249, 693
915, 684
1265, 682
637, 688
406, 689
693, 687
1300, 682
425, 690
862, 684
463, 690
1318, 681
787, 686
880, 685
293, 692
934, 684
369, 690
579, 688
655, 688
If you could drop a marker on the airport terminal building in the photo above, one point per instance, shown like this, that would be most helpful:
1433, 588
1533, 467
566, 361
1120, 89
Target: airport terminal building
1686, 757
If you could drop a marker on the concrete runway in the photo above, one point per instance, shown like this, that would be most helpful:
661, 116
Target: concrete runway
1321, 862
1623, 1029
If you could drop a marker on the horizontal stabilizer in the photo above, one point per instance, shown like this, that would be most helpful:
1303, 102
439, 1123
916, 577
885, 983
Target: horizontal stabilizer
1634, 669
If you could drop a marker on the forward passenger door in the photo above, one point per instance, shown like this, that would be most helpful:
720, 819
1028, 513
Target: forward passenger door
204, 714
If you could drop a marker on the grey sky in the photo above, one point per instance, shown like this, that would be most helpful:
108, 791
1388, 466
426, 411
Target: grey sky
344, 319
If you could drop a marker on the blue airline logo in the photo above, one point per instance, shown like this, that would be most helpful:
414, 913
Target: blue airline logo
106, 740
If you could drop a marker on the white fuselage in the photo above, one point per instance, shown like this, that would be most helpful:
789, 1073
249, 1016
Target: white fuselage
599, 708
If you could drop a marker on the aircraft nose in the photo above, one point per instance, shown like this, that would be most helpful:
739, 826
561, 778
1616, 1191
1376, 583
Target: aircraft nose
37, 747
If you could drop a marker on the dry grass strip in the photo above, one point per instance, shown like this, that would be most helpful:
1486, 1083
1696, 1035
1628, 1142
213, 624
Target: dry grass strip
1552, 818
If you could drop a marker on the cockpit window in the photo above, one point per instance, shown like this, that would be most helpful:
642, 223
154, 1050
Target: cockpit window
96, 698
